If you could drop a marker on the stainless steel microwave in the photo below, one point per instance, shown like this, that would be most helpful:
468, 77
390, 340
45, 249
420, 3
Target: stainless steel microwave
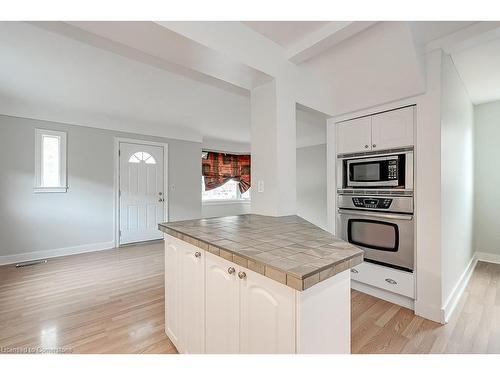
388, 171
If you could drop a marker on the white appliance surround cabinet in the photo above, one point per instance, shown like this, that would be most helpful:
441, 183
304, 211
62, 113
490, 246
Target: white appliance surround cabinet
381, 131
216, 306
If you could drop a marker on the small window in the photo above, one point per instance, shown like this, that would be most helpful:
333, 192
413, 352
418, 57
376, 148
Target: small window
230, 191
50, 161
142, 156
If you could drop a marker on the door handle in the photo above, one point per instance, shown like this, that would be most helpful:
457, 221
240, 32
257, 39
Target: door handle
197, 254
378, 215
391, 281
161, 200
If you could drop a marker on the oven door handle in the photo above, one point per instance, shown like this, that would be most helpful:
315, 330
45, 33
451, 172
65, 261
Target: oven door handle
376, 214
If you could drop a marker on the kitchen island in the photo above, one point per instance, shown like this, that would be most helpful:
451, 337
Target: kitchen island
257, 284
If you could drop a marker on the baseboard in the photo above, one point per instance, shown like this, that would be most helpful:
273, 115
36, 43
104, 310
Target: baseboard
458, 290
487, 257
383, 294
44, 254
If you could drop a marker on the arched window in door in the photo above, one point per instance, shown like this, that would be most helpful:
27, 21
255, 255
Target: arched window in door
142, 156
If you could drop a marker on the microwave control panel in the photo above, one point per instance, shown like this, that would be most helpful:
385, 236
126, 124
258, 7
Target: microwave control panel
392, 170
383, 203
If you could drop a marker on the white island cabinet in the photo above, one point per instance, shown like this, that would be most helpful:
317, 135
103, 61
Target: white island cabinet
185, 301
216, 306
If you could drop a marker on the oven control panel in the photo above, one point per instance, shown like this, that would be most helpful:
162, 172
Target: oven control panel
383, 203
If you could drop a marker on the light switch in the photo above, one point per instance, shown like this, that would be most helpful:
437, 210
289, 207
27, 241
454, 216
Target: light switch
260, 186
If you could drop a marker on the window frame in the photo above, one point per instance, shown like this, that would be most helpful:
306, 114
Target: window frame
63, 182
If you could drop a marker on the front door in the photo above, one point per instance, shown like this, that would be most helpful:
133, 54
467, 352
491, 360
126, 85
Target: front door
141, 192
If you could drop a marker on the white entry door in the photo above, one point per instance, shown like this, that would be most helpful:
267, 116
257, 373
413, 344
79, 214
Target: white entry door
141, 194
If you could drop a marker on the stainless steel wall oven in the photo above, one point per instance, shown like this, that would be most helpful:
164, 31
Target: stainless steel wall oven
382, 226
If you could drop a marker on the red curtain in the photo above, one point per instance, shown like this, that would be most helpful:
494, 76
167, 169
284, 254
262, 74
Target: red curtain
218, 168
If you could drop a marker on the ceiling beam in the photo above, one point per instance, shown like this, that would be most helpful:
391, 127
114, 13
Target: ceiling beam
469, 37
155, 45
324, 38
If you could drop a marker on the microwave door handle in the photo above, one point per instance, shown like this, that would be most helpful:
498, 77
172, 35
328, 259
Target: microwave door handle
375, 214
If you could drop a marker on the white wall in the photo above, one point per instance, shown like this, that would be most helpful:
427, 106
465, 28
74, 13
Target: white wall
216, 144
457, 178
376, 66
428, 301
84, 215
224, 209
311, 184
273, 149
98, 88
487, 178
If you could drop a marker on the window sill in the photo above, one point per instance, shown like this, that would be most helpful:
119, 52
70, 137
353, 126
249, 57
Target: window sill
221, 202
61, 189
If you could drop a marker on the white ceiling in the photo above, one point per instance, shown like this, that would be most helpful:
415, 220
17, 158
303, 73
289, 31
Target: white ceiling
479, 68
285, 33
51, 77
427, 31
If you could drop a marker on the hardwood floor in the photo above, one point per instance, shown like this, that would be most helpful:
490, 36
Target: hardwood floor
104, 302
381, 327
113, 302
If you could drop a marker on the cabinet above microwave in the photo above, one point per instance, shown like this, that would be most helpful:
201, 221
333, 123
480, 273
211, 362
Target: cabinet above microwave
382, 131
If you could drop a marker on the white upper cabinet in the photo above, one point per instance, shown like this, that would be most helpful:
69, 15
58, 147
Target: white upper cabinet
267, 316
222, 308
382, 131
392, 129
354, 135
192, 299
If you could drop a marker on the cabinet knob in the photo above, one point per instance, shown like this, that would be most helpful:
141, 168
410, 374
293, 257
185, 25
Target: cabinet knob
391, 281
231, 270
354, 270
374, 145
197, 254
242, 275
366, 146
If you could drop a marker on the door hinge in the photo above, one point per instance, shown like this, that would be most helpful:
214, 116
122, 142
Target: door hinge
120, 233
119, 153
119, 193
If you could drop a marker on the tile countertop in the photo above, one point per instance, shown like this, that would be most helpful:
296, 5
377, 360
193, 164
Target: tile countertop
287, 249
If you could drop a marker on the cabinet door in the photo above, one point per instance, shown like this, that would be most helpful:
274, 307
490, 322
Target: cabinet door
222, 306
267, 315
172, 293
392, 129
192, 299
354, 135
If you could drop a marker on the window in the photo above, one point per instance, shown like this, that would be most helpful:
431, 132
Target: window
223, 175
50, 161
142, 156
230, 191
